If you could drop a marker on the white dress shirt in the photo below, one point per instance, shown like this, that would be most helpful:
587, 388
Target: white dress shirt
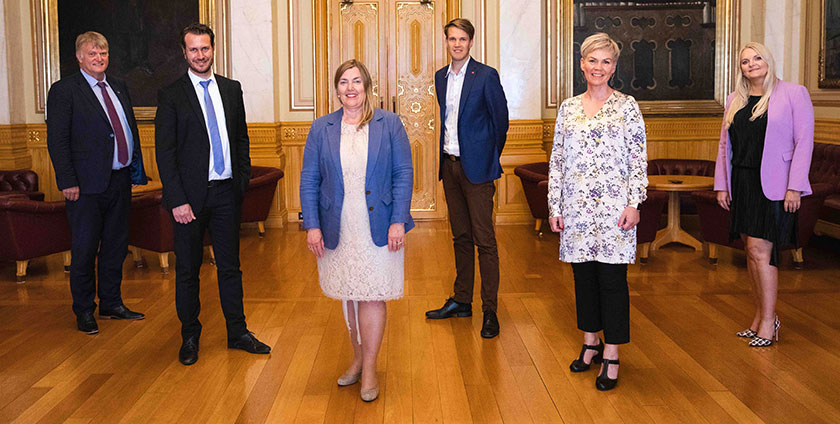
129, 141
454, 84
219, 109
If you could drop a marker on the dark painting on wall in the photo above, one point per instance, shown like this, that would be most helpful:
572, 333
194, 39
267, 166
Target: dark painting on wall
667, 47
142, 35
830, 45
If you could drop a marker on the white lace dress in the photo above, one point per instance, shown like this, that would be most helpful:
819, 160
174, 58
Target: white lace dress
358, 269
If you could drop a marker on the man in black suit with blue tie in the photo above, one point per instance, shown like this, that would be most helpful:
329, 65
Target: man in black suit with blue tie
94, 146
202, 149
474, 113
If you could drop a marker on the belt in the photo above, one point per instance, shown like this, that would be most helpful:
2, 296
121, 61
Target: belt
453, 158
216, 183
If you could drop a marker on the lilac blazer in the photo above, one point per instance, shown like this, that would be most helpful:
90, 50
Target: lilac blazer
788, 144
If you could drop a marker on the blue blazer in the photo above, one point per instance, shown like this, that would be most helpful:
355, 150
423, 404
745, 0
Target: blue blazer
482, 121
388, 180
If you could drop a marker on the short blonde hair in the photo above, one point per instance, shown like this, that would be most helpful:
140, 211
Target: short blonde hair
367, 82
598, 41
98, 40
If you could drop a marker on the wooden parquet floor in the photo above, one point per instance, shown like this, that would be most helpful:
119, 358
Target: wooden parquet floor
684, 363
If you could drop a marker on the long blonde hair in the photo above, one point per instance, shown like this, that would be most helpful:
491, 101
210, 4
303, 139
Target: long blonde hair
742, 85
367, 81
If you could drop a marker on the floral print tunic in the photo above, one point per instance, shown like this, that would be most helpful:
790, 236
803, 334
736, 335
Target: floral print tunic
598, 167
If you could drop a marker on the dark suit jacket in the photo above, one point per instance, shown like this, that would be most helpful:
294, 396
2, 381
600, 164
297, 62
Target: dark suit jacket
80, 138
482, 121
182, 145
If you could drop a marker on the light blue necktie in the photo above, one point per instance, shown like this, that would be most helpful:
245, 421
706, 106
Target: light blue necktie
215, 138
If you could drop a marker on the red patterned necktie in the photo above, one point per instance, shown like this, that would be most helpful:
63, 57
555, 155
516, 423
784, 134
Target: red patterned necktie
122, 145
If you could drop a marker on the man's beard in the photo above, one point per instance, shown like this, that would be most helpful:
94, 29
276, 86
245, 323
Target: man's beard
201, 71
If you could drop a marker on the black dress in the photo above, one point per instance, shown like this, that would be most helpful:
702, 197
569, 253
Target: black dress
752, 213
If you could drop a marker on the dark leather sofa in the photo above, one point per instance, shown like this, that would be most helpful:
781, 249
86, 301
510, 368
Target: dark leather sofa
825, 169
257, 202
30, 229
20, 181
534, 177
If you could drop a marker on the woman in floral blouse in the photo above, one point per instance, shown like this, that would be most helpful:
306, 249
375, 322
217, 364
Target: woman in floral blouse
597, 180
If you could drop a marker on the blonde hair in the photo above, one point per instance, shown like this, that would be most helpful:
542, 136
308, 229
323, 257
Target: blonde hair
367, 108
598, 41
98, 40
742, 85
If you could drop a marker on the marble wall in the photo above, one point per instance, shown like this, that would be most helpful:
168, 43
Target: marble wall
782, 35
520, 47
4, 72
252, 56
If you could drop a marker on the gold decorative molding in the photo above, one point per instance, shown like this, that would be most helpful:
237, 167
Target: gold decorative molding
679, 137
813, 46
827, 131
294, 133
13, 151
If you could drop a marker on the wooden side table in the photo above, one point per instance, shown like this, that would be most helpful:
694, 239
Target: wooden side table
674, 184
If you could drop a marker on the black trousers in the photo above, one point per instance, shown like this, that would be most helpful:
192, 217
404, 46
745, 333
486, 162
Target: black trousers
603, 300
220, 215
99, 229
471, 218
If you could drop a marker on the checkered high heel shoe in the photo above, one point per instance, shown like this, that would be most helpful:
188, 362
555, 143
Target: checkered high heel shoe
747, 334
762, 342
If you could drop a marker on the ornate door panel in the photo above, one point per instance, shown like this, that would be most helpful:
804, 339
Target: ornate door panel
401, 43
359, 26
414, 70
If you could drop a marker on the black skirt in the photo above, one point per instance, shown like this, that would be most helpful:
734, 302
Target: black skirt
753, 214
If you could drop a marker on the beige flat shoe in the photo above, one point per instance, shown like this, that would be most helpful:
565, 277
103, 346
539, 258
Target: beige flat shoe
349, 379
370, 395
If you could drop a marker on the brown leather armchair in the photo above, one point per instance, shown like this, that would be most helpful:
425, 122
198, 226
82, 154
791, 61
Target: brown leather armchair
150, 228
20, 181
714, 222
260, 194
31, 229
699, 167
534, 177
650, 219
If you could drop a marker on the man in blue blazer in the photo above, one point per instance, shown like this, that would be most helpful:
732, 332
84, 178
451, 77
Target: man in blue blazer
94, 146
474, 112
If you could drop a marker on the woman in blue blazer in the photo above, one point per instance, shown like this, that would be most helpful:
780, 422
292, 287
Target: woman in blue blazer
355, 193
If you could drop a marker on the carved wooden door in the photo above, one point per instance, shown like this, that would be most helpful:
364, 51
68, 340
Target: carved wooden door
400, 42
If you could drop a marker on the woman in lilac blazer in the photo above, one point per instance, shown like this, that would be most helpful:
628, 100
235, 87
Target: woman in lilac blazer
761, 173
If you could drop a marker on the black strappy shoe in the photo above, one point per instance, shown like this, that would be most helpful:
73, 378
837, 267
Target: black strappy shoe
603, 382
747, 334
579, 366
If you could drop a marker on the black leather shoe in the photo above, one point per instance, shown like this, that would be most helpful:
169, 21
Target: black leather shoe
578, 365
188, 354
249, 343
604, 383
87, 324
490, 327
451, 309
120, 312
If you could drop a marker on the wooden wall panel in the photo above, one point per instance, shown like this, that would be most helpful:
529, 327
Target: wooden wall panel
265, 151
281, 145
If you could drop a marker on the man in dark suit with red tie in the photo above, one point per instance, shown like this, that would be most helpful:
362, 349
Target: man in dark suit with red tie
474, 114
202, 149
94, 146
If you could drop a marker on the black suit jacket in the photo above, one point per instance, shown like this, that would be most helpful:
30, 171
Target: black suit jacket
182, 145
80, 138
